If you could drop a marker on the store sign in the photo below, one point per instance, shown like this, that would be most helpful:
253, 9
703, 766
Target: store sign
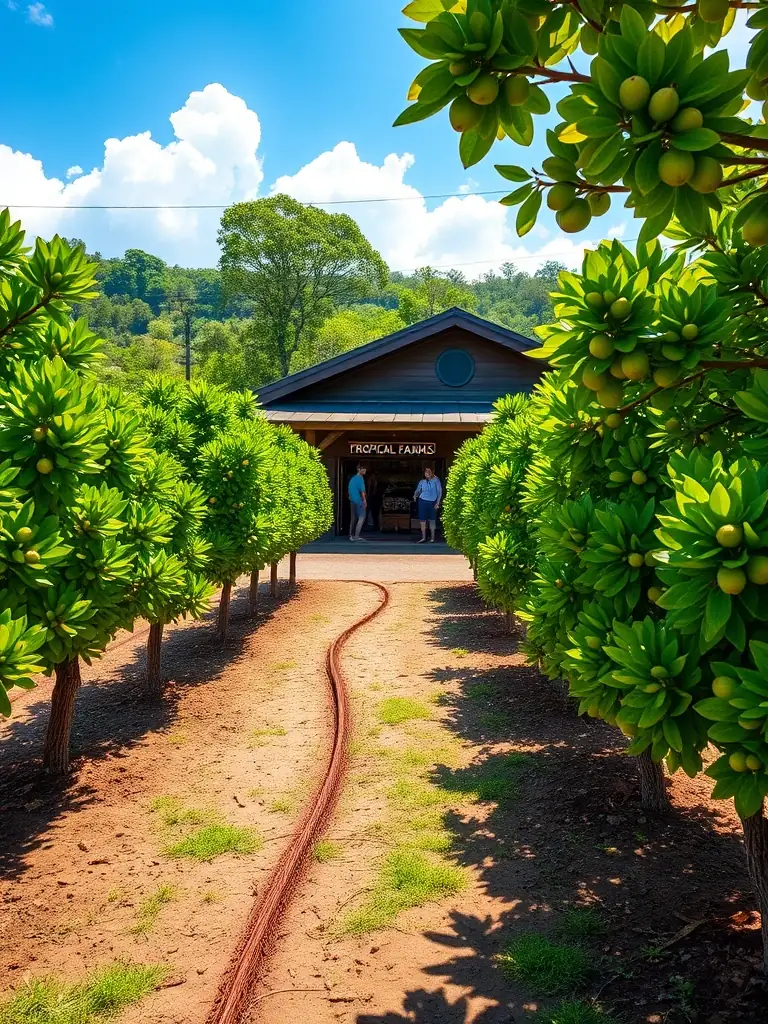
397, 448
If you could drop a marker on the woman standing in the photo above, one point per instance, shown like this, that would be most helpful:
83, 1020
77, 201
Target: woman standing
428, 493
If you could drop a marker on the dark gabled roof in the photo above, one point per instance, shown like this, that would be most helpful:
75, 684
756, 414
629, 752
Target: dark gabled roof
454, 317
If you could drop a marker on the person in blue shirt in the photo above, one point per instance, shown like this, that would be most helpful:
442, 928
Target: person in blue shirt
428, 493
358, 503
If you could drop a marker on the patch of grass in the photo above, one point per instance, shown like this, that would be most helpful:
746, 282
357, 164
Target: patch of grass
545, 967
405, 761
459, 652
149, 910
178, 737
326, 850
283, 666
395, 710
480, 690
652, 953
582, 923
283, 805
114, 895
413, 794
259, 737
102, 994
574, 1011
319, 618
173, 812
256, 792
495, 721
210, 896
407, 879
214, 840
494, 780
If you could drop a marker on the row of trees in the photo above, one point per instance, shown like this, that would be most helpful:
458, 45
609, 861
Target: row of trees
116, 507
645, 485
296, 285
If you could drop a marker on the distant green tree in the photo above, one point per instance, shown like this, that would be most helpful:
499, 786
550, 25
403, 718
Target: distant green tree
344, 330
296, 264
429, 292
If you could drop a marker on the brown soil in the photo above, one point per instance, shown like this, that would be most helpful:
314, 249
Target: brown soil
574, 836
78, 859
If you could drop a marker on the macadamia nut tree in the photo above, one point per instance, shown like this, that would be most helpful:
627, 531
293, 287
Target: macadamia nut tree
647, 483
76, 535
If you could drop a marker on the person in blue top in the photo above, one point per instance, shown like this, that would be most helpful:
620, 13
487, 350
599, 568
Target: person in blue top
428, 493
358, 503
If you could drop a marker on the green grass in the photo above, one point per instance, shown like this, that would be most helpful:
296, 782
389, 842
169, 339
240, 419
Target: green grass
103, 994
481, 690
395, 710
573, 1011
460, 652
259, 737
582, 923
283, 666
172, 812
326, 850
210, 896
149, 910
495, 780
545, 967
283, 805
407, 879
214, 840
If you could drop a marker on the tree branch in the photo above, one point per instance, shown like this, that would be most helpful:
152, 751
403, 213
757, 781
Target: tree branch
556, 76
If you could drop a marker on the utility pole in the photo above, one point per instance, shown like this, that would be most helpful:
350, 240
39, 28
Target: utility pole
184, 305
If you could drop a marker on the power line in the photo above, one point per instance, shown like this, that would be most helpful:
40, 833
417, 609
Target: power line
224, 206
511, 259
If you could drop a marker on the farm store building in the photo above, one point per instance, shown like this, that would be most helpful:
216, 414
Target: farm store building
400, 404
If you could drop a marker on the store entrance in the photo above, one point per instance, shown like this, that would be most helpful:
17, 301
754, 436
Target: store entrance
389, 484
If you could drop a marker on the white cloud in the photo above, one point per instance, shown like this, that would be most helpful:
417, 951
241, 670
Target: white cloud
468, 232
38, 15
213, 161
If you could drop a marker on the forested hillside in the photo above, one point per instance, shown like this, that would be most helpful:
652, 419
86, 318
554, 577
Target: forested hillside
147, 309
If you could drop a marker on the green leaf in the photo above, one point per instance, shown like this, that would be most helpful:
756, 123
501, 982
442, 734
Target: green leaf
715, 709
474, 146
672, 734
604, 154
608, 79
513, 173
695, 140
749, 798
650, 59
596, 127
517, 123
647, 167
538, 101
719, 500
633, 28
526, 215
418, 112
424, 44
426, 10
716, 613
517, 196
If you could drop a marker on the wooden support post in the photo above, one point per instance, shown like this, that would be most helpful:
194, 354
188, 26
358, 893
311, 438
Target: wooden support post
273, 579
292, 569
310, 437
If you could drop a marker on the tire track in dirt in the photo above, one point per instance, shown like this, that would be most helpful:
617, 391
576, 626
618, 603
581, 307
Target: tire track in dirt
235, 990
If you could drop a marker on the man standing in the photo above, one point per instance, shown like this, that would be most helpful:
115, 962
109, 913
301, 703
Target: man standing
428, 493
358, 503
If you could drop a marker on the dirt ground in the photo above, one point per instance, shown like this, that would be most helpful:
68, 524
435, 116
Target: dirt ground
78, 862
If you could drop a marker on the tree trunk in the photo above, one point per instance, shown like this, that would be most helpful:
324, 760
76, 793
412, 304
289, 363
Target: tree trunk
510, 621
56, 749
153, 686
253, 594
653, 792
756, 847
292, 569
273, 579
226, 594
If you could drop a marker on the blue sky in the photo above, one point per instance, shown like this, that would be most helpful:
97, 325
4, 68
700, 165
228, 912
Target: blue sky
296, 80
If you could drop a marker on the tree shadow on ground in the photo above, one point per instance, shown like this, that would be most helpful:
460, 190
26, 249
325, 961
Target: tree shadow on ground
112, 716
559, 841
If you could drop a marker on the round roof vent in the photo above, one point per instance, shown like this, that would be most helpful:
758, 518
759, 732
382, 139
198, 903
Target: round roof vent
455, 367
